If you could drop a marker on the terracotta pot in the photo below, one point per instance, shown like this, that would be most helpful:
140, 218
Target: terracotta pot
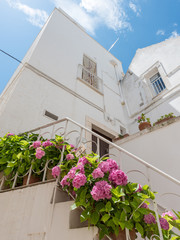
163, 120
49, 175
33, 179
121, 235
144, 125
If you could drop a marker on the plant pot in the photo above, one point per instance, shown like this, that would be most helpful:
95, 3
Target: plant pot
49, 175
121, 235
33, 179
163, 120
144, 125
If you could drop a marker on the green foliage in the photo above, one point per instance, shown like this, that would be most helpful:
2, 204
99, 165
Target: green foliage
143, 118
166, 116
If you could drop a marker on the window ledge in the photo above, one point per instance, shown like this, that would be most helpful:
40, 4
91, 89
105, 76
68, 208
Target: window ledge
89, 85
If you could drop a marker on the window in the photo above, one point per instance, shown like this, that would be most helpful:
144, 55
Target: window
89, 72
157, 84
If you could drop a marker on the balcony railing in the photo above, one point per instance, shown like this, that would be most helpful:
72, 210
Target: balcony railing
90, 78
76, 134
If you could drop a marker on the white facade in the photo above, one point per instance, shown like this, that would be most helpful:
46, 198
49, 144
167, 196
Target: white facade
50, 79
158, 146
138, 90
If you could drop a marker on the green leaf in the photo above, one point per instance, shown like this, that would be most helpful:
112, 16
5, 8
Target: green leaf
143, 210
19, 155
12, 164
123, 216
108, 206
140, 229
122, 225
8, 170
100, 206
129, 225
74, 206
3, 160
145, 187
136, 214
116, 221
83, 196
94, 218
105, 217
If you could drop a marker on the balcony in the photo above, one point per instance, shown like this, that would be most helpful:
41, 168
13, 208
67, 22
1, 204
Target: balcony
90, 79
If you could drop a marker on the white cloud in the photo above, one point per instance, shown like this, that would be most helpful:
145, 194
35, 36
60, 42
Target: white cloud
109, 12
174, 34
160, 32
74, 10
92, 13
36, 17
134, 8
175, 24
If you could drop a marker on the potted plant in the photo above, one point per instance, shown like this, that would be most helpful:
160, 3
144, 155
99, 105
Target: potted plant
109, 201
164, 118
18, 153
144, 122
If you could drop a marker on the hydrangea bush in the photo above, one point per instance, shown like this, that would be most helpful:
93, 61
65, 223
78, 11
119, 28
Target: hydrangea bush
19, 152
109, 200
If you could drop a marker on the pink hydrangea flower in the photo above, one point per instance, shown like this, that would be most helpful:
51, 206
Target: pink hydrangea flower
36, 144
71, 174
56, 171
47, 143
97, 173
69, 156
39, 153
101, 190
64, 181
79, 180
164, 223
139, 188
112, 164
81, 168
118, 177
72, 146
139, 117
104, 166
149, 219
144, 205
10, 134
170, 214
83, 161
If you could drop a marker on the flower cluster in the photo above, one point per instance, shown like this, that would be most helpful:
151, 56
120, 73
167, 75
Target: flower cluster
56, 171
39, 153
79, 180
118, 177
101, 190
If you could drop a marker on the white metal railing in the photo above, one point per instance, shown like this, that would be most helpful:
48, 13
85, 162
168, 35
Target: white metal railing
90, 78
75, 133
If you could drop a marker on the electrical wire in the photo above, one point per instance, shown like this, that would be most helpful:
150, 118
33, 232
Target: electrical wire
10, 56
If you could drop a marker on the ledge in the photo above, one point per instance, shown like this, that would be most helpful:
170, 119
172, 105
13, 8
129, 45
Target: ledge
147, 130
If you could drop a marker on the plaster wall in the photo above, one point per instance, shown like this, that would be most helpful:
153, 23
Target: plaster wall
28, 214
159, 147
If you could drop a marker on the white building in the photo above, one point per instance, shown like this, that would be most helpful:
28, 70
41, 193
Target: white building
152, 82
65, 73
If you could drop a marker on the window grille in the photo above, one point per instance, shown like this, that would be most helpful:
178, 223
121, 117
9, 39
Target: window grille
89, 73
157, 84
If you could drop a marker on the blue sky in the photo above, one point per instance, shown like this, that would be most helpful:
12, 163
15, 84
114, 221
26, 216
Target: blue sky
135, 23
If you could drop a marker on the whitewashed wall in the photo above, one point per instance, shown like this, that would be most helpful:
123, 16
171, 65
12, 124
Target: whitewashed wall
48, 81
159, 147
163, 58
27, 214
